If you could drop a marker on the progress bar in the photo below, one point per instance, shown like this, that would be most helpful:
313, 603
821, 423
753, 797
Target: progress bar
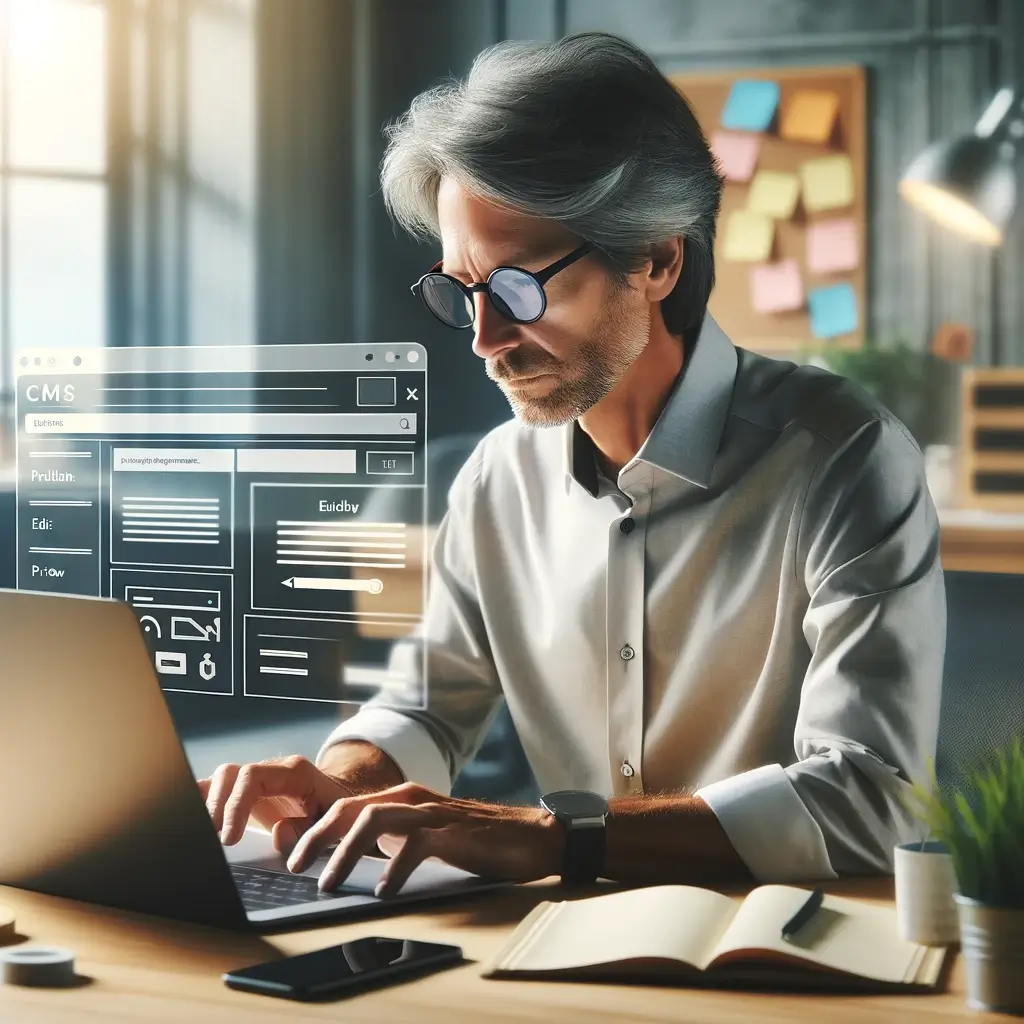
326, 583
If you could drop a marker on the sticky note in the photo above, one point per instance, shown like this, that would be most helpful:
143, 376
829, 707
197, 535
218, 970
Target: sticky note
751, 105
827, 182
833, 311
774, 193
832, 246
776, 287
736, 153
748, 237
809, 116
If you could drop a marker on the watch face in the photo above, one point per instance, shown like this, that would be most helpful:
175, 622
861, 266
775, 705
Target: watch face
575, 803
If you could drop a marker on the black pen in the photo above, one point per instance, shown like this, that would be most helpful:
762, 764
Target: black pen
803, 915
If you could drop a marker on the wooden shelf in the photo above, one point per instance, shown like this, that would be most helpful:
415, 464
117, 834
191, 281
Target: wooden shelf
981, 541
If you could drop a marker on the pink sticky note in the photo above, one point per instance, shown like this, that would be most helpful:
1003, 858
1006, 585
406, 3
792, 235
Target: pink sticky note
832, 246
736, 153
776, 287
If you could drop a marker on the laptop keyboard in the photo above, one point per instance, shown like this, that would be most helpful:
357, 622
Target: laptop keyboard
266, 890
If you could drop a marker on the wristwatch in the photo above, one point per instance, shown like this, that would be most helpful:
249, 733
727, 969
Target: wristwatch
582, 815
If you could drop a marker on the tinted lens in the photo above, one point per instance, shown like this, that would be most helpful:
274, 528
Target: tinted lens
517, 295
447, 301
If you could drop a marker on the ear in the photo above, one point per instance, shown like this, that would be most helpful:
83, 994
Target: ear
663, 270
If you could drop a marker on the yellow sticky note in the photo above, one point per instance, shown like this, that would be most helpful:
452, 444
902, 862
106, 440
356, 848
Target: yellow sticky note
809, 116
774, 193
748, 237
827, 183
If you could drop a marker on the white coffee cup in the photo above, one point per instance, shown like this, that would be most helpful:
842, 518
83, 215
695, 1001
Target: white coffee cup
925, 883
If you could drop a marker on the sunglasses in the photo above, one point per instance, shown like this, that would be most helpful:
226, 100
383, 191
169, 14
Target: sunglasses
517, 294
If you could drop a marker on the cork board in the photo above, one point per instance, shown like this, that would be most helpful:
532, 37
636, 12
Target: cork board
815, 254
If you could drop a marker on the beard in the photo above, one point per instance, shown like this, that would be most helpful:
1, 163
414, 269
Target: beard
581, 380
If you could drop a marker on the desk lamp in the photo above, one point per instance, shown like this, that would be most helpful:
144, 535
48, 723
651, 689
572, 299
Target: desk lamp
968, 183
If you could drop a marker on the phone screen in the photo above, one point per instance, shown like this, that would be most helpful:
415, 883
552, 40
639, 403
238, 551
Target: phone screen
350, 965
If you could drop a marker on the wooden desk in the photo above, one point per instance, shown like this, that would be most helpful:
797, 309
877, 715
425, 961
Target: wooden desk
143, 969
979, 541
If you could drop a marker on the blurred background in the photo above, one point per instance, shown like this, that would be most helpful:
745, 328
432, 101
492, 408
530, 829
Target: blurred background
195, 172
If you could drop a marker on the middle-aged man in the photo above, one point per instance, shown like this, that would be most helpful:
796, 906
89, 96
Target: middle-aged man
706, 583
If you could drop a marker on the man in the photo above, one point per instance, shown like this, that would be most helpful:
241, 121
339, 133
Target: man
706, 583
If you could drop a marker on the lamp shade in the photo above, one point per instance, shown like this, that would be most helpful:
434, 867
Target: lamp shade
968, 184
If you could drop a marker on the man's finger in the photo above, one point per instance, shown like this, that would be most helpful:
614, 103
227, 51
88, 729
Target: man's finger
342, 816
373, 821
254, 783
286, 832
413, 853
204, 787
222, 783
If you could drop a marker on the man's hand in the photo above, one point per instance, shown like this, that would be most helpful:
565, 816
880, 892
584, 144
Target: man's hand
284, 795
517, 844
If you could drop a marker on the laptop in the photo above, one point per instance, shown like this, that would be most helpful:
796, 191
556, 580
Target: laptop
98, 802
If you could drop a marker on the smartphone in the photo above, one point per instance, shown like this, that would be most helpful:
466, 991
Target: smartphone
344, 969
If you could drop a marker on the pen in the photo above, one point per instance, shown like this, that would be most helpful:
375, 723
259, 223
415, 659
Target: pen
803, 915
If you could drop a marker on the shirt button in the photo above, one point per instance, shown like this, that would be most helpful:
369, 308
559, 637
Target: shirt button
627, 770
626, 653
626, 526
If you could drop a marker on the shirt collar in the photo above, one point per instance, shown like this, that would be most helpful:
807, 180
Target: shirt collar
687, 434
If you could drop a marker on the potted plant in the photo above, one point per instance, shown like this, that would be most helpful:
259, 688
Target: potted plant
918, 387
982, 827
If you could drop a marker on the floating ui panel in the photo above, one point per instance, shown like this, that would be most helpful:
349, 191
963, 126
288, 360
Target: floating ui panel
262, 509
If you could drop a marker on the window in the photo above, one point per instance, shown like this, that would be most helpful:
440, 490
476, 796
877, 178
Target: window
53, 179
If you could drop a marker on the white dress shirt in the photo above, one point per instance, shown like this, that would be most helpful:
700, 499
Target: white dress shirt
754, 611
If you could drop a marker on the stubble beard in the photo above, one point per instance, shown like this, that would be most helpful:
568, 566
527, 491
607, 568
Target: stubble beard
593, 371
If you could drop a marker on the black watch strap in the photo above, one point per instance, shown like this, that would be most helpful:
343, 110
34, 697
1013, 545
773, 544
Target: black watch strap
584, 854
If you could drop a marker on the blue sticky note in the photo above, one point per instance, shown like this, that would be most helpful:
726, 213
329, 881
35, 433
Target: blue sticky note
750, 106
833, 311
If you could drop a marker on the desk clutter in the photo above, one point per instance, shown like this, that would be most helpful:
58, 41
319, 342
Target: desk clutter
41, 966
775, 938
991, 472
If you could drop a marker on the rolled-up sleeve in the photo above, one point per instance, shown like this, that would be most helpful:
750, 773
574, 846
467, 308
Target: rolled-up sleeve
432, 742
875, 623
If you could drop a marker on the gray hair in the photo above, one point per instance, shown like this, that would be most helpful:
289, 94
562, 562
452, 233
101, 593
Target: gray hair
585, 131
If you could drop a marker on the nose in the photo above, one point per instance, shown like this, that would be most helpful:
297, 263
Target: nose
492, 333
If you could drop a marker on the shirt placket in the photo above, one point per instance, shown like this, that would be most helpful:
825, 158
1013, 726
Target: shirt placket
627, 539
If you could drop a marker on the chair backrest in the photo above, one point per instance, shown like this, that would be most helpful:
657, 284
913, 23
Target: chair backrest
983, 684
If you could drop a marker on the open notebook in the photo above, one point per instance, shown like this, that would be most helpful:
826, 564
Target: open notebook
695, 936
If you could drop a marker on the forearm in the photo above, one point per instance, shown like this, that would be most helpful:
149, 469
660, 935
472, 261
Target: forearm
670, 839
361, 765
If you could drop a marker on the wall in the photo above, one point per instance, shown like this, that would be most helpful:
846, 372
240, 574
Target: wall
933, 64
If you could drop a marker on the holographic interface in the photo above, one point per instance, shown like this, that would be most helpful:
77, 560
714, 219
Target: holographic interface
226, 494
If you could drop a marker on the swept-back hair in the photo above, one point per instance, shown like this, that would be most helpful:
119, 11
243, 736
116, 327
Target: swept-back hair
585, 131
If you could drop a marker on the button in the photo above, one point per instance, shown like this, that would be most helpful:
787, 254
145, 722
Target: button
627, 770
626, 653
389, 463
626, 526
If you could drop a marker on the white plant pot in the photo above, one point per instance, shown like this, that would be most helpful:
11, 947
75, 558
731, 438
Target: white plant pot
992, 946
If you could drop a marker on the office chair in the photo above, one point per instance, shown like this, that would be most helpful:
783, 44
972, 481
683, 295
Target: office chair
983, 683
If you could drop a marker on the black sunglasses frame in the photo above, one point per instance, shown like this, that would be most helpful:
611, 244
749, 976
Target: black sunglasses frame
541, 277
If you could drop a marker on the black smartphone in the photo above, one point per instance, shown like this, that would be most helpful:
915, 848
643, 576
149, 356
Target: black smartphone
344, 969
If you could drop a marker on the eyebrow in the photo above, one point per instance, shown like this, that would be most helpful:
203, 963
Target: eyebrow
517, 257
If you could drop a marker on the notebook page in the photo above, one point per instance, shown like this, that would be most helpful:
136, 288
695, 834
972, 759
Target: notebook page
845, 934
681, 922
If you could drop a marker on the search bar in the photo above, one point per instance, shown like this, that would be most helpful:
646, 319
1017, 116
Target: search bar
331, 424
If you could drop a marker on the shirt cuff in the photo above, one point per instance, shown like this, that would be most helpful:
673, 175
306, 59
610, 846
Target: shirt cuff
770, 826
406, 742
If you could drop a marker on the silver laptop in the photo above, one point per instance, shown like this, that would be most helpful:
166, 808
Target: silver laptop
97, 800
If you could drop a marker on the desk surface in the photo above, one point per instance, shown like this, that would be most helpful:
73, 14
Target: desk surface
978, 541
143, 969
